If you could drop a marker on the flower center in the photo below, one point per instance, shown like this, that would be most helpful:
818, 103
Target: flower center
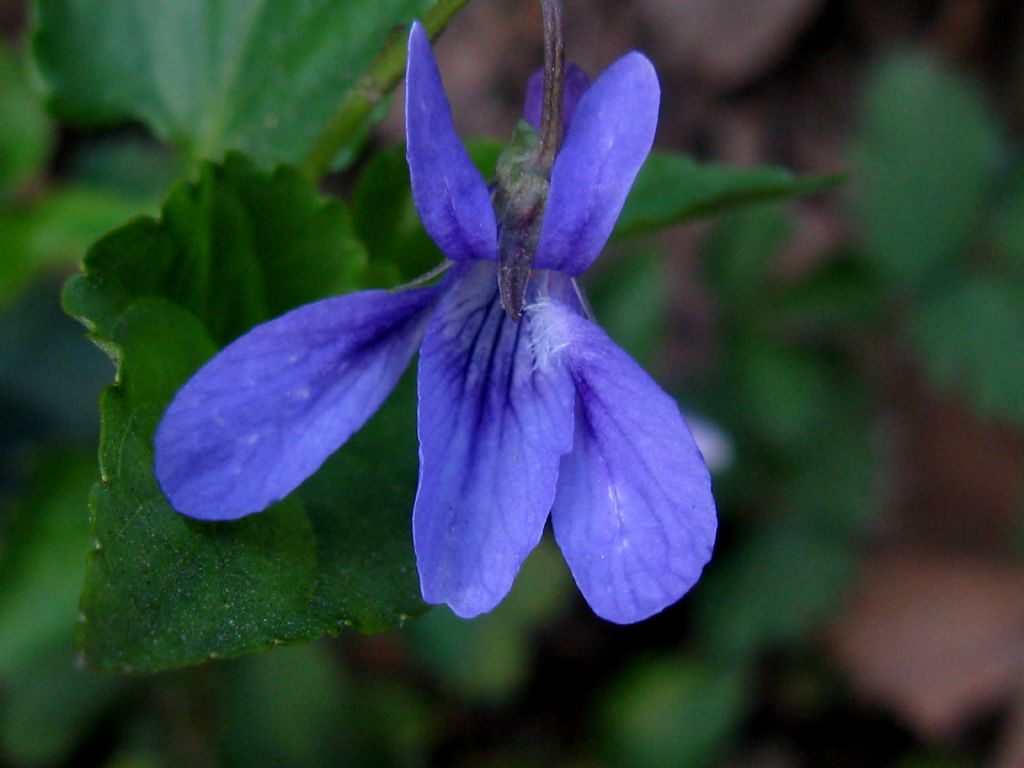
549, 332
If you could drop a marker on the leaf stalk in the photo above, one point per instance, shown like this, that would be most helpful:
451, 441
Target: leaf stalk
377, 82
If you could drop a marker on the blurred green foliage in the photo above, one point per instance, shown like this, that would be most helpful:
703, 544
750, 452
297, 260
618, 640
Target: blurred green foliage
25, 133
926, 156
671, 189
937, 206
490, 658
399, 249
207, 76
670, 711
939, 209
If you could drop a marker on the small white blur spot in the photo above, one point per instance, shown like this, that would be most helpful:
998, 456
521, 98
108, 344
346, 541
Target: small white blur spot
714, 443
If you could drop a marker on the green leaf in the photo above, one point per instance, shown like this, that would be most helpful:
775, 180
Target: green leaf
926, 155
740, 251
47, 703
162, 590
673, 189
125, 162
397, 724
297, 707
841, 293
785, 395
50, 705
631, 298
212, 75
43, 563
672, 712
360, 505
25, 132
1009, 227
39, 400
53, 233
969, 337
489, 659
781, 583
229, 251
835, 495
386, 218
236, 248
400, 248
292, 706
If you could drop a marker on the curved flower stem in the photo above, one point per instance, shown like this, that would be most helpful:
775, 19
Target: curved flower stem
377, 82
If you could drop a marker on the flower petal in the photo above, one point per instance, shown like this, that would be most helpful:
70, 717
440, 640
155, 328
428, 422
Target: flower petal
634, 514
265, 413
493, 422
449, 192
610, 137
576, 83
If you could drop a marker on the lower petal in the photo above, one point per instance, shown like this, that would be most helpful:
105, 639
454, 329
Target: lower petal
494, 419
634, 515
265, 413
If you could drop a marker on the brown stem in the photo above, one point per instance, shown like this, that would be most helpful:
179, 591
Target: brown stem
554, 83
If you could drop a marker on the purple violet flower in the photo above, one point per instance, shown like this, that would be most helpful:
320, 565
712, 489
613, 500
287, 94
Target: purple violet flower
517, 420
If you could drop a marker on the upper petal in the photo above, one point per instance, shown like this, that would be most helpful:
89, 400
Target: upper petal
576, 83
634, 514
493, 421
449, 192
265, 413
611, 135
